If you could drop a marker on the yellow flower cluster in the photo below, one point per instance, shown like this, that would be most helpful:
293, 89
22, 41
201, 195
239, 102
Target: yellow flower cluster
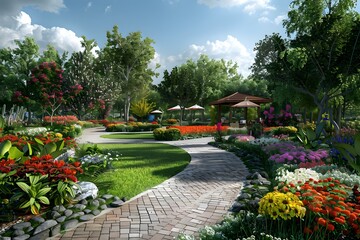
291, 129
283, 205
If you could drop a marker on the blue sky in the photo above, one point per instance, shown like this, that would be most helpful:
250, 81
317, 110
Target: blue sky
181, 29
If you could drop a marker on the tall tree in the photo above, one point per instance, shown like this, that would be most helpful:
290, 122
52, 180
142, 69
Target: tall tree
212, 77
179, 87
50, 54
321, 54
15, 67
129, 58
47, 87
81, 69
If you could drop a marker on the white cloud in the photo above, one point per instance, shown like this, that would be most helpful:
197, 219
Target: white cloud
13, 7
20, 26
108, 9
264, 19
89, 5
279, 19
250, 6
229, 49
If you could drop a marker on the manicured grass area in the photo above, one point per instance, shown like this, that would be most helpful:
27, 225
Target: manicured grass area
129, 136
141, 167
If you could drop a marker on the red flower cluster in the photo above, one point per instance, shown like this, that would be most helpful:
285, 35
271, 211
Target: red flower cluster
328, 208
64, 120
6, 165
55, 169
187, 130
17, 141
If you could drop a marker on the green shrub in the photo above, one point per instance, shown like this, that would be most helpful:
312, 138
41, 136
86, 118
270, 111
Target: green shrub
159, 133
172, 134
163, 134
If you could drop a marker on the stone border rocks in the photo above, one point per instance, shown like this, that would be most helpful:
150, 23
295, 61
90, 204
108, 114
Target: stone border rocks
61, 218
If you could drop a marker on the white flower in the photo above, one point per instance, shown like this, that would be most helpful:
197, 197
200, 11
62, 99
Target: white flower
299, 175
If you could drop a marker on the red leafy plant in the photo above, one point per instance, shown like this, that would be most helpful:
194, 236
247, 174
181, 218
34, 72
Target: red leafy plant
57, 176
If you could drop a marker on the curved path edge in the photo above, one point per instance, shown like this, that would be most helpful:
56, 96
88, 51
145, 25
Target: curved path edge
198, 196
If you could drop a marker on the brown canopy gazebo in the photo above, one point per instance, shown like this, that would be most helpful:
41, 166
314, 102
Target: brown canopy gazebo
237, 98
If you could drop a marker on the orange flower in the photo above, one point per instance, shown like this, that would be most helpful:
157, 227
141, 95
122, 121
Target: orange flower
321, 221
352, 217
334, 213
337, 209
339, 220
307, 230
330, 227
346, 212
342, 203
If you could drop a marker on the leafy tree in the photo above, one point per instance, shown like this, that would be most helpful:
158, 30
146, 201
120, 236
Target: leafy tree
50, 54
142, 108
82, 69
128, 60
321, 55
15, 67
47, 87
212, 76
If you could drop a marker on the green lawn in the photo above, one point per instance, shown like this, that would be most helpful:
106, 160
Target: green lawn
129, 136
141, 167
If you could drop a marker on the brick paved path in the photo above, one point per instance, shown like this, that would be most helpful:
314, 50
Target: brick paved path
200, 195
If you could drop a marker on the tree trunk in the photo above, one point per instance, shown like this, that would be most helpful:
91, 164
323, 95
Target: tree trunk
127, 108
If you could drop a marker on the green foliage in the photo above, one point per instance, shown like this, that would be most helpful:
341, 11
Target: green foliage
142, 108
42, 149
93, 150
7, 151
213, 115
63, 192
351, 153
171, 134
33, 194
131, 128
2, 122
310, 138
126, 62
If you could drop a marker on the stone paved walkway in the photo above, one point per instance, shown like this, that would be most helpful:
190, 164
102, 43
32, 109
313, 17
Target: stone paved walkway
200, 195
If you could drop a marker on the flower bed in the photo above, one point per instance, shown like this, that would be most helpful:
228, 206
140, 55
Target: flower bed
131, 127
199, 130
311, 197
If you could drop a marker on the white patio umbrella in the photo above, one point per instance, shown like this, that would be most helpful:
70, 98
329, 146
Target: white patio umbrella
194, 108
175, 108
156, 111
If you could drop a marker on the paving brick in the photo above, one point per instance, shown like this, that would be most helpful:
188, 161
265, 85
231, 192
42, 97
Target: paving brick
198, 196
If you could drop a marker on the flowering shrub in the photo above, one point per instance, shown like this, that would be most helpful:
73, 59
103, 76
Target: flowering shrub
300, 175
288, 152
285, 118
241, 138
199, 130
283, 205
264, 141
93, 164
328, 213
288, 130
171, 121
56, 176
64, 120
349, 180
